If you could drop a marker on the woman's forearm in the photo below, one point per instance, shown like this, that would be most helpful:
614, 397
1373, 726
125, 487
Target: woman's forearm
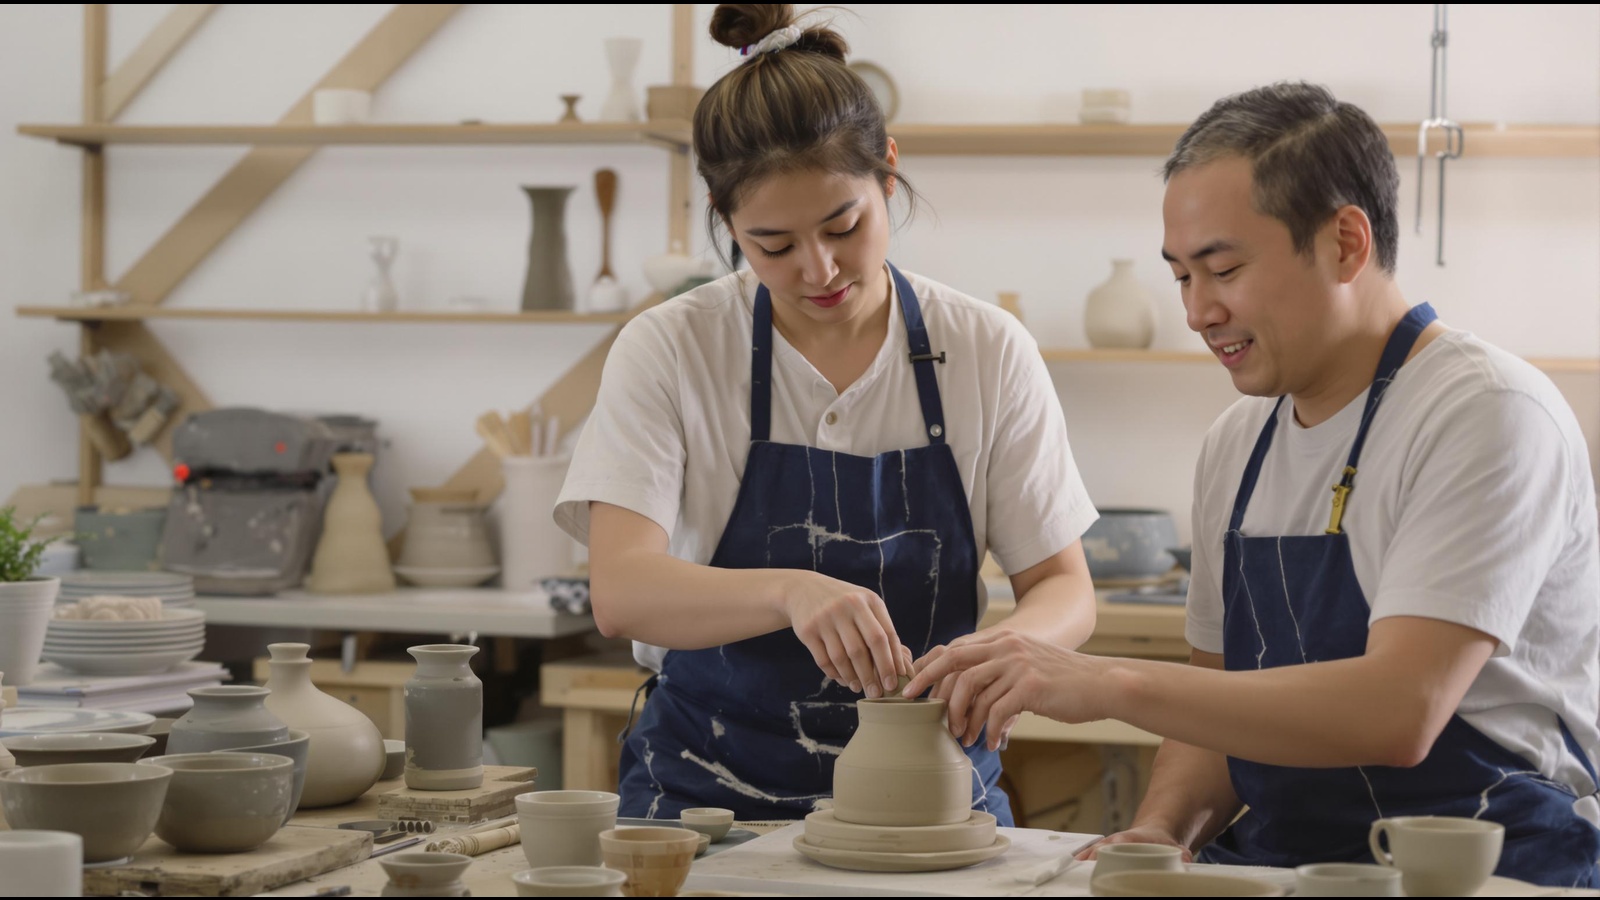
650, 596
1059, 609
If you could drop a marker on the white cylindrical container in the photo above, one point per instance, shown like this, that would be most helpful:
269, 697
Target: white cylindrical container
41, 864
532, 547
562, 828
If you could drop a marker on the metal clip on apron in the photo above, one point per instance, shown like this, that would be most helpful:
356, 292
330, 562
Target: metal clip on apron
754, 726
1290, 600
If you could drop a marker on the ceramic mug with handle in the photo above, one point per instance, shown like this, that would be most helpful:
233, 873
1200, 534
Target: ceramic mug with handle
1438, 856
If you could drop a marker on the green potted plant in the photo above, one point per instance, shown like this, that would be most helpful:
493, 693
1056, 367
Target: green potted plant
26, 601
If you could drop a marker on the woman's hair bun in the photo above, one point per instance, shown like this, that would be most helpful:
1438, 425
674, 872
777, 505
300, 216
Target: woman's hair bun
740, 25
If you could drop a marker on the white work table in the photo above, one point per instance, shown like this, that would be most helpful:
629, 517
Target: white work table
487, 611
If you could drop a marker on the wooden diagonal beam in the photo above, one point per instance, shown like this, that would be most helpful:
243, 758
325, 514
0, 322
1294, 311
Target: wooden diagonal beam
117, 91
255, 177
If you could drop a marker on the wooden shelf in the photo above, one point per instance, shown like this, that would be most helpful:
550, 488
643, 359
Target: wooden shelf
1482, 140
673, 134
1549, 365
143, 313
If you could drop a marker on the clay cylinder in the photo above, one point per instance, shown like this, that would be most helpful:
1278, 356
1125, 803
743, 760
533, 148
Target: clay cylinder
902, 767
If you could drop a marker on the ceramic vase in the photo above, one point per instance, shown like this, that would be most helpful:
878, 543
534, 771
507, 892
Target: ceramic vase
352, 557
622, 104
380, 295
25, 610
1119, 313
902, 767
549, 281
224, 717
444, 719
346, 755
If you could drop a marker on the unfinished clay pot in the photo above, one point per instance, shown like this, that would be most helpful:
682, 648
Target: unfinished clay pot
902, 767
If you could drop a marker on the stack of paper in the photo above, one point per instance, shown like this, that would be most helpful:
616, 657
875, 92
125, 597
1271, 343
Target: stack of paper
158, 694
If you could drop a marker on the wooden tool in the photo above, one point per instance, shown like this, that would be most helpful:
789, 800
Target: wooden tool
520, 425
495, 434
605, 190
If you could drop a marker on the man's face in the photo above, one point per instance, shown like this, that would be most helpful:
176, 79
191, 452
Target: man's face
1264, 310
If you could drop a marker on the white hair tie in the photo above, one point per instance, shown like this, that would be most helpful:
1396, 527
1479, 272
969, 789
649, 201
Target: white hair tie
786, 36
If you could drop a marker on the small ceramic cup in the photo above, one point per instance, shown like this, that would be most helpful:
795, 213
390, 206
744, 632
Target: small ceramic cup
569, 881
41, 864
1346, 880
710, 821
656, 860
1438, 856
562, 828
1113, 858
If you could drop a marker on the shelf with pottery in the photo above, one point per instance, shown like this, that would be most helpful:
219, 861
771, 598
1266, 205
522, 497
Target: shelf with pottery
1483, 140
1548, 364
670, 134
145, 312
488, 611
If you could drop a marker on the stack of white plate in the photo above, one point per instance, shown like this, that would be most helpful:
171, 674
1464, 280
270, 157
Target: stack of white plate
134, 647
174, 589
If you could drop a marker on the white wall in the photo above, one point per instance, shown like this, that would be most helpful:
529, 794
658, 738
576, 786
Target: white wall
1523, 235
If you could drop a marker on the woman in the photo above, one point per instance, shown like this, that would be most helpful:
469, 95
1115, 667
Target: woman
790, 474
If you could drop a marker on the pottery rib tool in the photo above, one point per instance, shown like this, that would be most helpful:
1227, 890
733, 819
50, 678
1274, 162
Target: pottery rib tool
1058, 866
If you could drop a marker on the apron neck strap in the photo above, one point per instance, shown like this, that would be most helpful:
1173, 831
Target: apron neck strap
922, 360
1395, 351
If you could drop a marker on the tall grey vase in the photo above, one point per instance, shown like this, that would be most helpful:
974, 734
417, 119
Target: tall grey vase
549, 281
444, 720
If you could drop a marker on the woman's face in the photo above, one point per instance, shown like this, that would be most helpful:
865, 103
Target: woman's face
818, 240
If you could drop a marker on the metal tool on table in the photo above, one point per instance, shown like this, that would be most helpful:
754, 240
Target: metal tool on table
1455, 139
1058, 866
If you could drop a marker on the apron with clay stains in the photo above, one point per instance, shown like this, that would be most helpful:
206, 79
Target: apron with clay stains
754, 726
1291, 600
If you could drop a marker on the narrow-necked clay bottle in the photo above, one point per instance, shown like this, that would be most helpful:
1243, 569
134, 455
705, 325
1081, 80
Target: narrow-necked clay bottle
346, 754
902, 767
444, 719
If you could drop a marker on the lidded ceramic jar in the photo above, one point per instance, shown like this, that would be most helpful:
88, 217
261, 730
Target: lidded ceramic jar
226, 716
346, 755
902, 767
444, 719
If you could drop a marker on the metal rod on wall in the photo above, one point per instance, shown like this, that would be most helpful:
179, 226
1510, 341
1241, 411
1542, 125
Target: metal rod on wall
1455, 139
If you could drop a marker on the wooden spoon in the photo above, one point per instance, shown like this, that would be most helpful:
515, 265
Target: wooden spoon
605, 189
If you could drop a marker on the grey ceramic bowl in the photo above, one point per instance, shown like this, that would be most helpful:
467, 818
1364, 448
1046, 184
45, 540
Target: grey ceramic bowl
54, 749
112, 806
297, 748
224, 802
1130, 543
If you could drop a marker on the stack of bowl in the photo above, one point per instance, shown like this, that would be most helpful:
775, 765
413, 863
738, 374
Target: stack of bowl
174, 589
25, 610
136, 647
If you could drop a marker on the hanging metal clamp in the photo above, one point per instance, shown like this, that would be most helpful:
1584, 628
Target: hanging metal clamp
924, 357
1455, 139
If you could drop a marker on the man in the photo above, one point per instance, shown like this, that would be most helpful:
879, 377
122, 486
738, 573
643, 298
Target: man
1420, 640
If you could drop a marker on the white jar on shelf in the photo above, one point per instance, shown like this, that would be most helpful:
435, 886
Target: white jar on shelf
1119, 313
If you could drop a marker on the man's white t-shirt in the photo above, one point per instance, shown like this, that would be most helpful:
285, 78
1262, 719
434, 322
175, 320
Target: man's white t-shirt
671, 427
1474, 504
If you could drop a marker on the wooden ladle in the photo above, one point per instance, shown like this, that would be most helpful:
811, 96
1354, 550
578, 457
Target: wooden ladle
605, 189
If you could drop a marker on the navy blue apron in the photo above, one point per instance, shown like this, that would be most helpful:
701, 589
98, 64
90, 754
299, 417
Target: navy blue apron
754, 726
1294, 599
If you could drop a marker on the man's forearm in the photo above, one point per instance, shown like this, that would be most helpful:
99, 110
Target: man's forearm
1190, 797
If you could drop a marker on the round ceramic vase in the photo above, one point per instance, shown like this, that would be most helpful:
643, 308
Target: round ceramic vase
902, 767
347, 754
444, 719
1119, 313
224, 717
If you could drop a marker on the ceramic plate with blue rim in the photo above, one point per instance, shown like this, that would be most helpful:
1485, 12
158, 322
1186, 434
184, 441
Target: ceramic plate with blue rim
44, 720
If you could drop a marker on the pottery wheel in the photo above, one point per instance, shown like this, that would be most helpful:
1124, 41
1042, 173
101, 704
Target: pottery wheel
875, 861
825, 831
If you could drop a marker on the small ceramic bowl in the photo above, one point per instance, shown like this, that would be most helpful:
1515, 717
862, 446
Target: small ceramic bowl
424, 874
569, 881
297, 748
53, 749
711, 821
112, 806
224, 802
656, 860
394, 759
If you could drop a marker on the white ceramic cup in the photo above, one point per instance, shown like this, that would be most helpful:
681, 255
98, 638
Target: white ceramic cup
569, 881
1113, 858
1438, 856
41, 864
562, 828
1346, 880
340, 106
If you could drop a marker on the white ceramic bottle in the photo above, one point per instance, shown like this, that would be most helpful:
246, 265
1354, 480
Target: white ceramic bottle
1119, 313
346, 755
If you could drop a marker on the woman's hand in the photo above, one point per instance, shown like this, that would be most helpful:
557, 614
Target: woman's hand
991, 677
848, 631
1140, 834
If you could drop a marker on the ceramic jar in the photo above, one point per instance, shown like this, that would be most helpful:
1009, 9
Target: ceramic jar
902, 767
444, 719
447, 536
352, 557
548, 284
1119, 313
425, 874
346, 755
226, 716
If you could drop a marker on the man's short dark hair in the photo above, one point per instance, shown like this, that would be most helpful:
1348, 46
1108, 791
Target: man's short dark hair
1309, 154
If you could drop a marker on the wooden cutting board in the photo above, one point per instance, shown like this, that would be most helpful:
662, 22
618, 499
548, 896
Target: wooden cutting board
490, 800
295, 852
